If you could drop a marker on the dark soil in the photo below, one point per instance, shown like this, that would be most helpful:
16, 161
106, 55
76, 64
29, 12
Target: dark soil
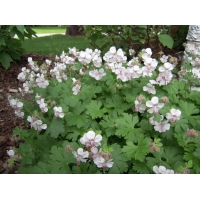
8, 120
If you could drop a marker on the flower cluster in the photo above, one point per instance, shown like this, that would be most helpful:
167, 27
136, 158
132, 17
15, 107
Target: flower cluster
77, 86
59, 71
97, 74
162, 170
35, 76
92, 141
17, 105
40, 101
36, 123
58, 112
153, 106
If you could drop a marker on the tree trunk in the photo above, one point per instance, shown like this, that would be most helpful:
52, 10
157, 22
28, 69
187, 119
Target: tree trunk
74, 30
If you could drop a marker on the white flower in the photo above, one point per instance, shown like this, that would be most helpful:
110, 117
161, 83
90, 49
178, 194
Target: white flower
80, 155
42, 105
97, 74
10, 152
139, 106
150, 89
76, 89
161, 126
167, 67
41, 81
154, 105
84, 57
115, 56
174, 115
164, 77
102, 162
162, 170
48, 62
58, 112
36, 123
164, 58
19, 113
90, 139
135, 71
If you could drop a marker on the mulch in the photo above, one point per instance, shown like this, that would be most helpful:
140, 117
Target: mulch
9, 85
8, 120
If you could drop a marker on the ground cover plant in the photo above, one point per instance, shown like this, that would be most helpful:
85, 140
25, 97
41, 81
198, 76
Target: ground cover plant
112, 115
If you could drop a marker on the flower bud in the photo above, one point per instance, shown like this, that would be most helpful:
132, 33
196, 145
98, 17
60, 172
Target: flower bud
164, 99
191, 133
140, 98
69, 148
154, 148
173, 60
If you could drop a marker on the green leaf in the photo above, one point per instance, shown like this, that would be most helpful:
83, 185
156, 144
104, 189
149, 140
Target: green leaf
181, 125
126, 125
5, 59
15, 55
84, 168
141, 167
59, 161
26, 151
20, 28
138, 151
166, 40
2, 41
117, 104
189, 109
56, 127
94, 109
195, 96
172, 154
197, 153
108, 124
119, 159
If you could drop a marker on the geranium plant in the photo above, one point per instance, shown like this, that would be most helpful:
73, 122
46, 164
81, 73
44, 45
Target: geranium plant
88, 114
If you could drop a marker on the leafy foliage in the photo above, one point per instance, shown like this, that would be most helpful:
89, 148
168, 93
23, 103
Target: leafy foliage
137, 129
10, 47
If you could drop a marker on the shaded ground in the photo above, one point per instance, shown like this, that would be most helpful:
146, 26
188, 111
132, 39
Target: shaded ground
9, 85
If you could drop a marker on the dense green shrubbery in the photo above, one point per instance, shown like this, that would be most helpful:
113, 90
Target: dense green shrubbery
137, 37
10, 47
117, 117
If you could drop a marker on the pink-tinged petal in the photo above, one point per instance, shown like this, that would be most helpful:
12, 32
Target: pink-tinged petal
94, 150
61, 115
155, 169
160, 105
84, 139
109, 163
98, 138
149, 104
80, 151
90, 135
44, 126
75, 154
154, 100
170, 171
85, 154
29, 119
162, 169
112, 50
167, 126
